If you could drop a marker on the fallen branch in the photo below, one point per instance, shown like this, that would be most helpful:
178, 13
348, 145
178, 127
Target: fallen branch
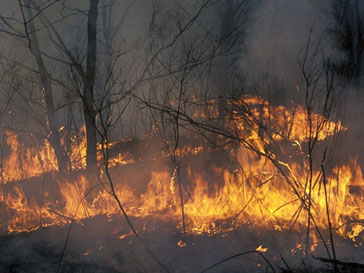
338, 262
238, 255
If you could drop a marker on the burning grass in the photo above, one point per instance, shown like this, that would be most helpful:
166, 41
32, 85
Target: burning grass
218, 199
254, 195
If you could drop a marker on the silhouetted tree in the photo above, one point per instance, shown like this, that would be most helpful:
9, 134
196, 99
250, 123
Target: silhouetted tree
348, 36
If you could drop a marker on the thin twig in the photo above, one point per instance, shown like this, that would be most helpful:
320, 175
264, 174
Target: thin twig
239, 255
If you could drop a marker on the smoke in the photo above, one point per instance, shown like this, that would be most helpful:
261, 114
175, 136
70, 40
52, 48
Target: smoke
280, 30
277, 32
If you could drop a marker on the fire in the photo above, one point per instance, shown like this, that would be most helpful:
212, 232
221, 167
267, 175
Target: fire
262, 249
284, 123
255, 193
260, 203
25, 162
25, 215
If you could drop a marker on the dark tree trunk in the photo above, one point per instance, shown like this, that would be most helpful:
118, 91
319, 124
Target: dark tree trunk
55, 139
88, 97
348, 34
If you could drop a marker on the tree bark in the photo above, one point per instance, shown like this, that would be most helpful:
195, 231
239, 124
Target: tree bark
89, 83
45, 77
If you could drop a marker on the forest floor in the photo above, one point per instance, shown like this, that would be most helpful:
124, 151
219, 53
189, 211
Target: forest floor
105, 245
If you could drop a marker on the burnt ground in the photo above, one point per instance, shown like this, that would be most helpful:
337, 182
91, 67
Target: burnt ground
104, 244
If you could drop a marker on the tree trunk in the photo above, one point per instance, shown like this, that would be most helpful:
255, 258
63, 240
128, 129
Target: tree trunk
91, 158
88, 96
55, 139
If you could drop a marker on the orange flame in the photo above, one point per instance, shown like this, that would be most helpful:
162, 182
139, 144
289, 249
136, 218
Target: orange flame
256, 192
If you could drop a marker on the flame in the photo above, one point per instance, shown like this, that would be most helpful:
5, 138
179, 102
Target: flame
255, 193
262, 249
283, 122
25, 215
25, 162
262, 202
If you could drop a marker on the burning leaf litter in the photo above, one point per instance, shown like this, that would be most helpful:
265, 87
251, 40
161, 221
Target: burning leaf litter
253, 193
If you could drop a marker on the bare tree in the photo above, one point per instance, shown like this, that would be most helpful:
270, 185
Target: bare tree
320, 91
30, 38
233, 19
242, 120
348, 36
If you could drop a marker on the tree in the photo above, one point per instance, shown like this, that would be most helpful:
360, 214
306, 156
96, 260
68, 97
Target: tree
256, 129
88, 77
348, 37
86, 74
32, 12
232, 21
30, 37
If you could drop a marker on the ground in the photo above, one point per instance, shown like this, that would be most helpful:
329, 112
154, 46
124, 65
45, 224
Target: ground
105, 244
